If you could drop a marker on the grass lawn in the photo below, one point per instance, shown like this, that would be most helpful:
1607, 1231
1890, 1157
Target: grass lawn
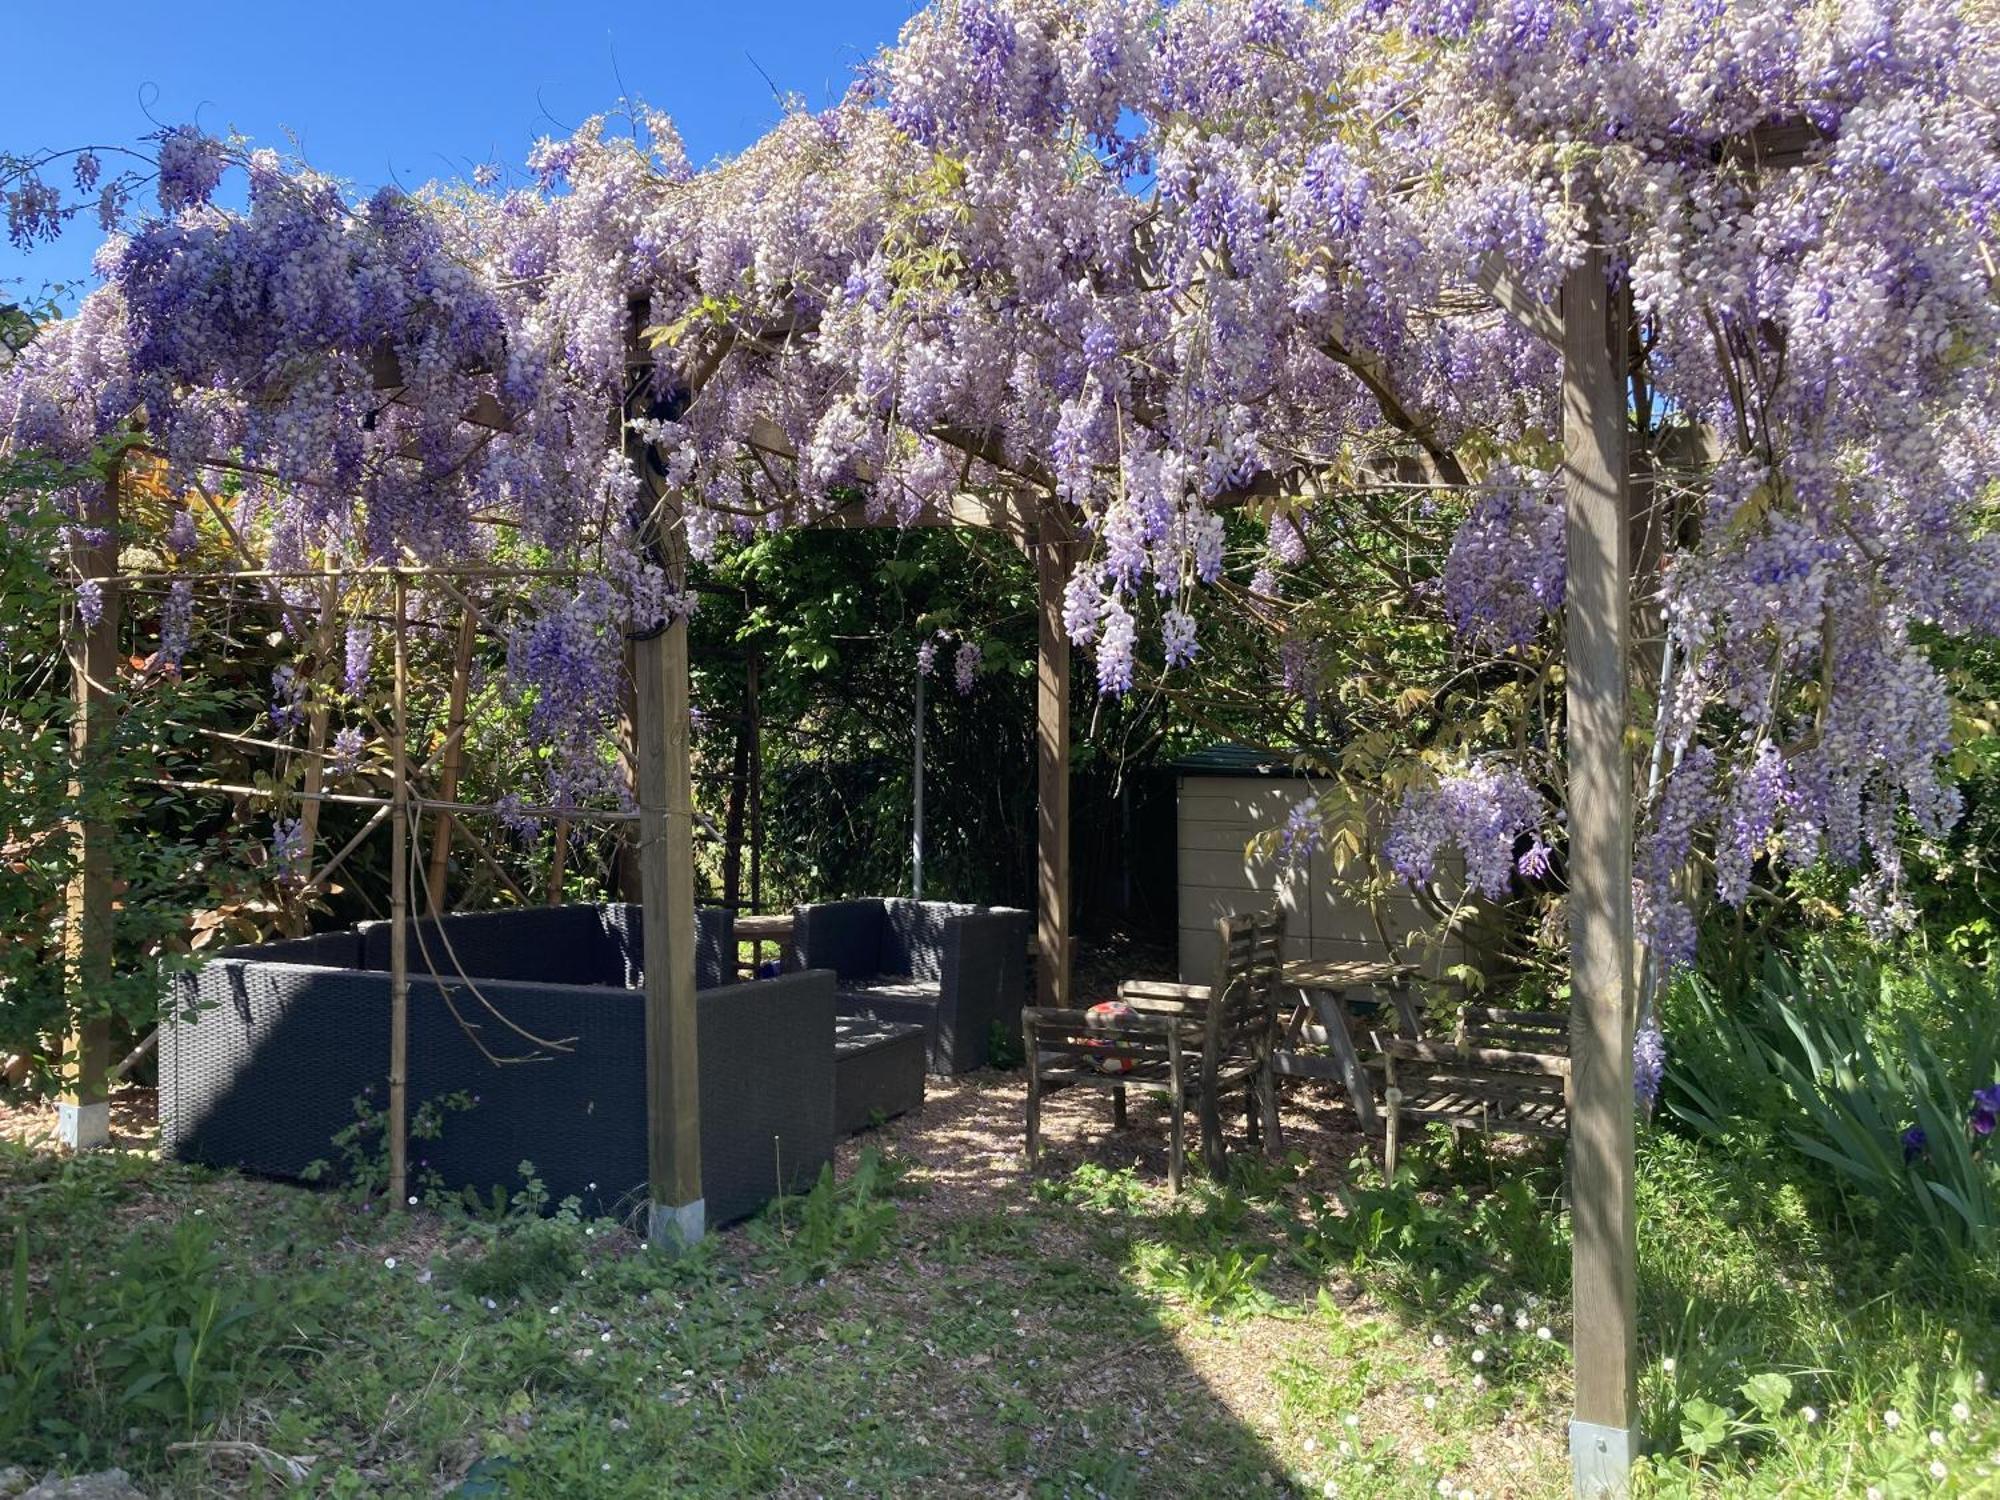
940, 1324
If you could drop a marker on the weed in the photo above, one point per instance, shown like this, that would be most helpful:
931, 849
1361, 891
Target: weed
363, 1147
838, 1223
1003, 1047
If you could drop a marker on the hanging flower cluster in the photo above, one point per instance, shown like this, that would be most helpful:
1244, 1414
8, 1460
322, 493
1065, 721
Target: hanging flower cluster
1479, 812
964, 662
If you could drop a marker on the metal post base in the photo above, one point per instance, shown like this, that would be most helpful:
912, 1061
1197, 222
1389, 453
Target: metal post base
677, 1228
84, 1127
1601, 1458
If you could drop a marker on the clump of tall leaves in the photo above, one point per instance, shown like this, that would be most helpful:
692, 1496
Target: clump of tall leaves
158, 1344
1818, 1052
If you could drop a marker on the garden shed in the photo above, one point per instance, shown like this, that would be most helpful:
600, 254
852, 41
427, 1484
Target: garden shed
1225, 795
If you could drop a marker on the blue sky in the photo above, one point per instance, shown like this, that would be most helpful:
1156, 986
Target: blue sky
378, 92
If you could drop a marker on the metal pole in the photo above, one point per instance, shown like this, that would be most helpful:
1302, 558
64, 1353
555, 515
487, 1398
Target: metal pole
917, 818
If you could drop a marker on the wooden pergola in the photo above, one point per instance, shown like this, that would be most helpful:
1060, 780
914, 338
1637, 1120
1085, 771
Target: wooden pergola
1590, 327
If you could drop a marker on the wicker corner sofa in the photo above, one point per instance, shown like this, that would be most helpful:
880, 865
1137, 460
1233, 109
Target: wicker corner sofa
268, 1048
953, 969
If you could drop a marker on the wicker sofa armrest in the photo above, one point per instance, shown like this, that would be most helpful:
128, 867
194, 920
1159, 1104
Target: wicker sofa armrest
982, 982
844, 936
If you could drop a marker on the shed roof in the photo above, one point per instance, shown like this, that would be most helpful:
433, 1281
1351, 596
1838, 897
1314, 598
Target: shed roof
1226, 758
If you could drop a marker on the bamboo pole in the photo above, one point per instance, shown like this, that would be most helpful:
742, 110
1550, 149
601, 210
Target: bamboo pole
557, 858
756, 732
454, 757
420, 804
318, 717
399, 933
83, 1108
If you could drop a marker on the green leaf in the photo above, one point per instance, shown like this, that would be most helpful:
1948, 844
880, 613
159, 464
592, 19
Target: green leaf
1704, 1426
1768, 1392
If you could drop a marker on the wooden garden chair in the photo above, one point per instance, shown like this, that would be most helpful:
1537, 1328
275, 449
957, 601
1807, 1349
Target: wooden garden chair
1195, 1042
1503, 1071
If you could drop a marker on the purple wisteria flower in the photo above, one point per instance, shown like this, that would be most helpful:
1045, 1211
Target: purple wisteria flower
927, 657
1534, 861
182, 537
1117, 633
1301, 834
1649, 1063
360, 646
1177, 636
289, 850
190, 167
345, 759
176, 622
1480, 810
964, 665
287, 699
90, 602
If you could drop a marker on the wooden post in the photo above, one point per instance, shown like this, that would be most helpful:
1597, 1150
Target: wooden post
1597, 614
454, 759
664, 785
1055, 554
83, 1109
399, 934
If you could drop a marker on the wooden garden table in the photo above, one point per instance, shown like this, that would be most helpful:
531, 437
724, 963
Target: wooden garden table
1322, 1018
759, 928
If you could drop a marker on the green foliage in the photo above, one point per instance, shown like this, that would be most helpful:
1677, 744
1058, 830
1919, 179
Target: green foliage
1830, 1057
363, 1148
529, 1253
1003, 1046
834, 620
1220, 1283
1425, 1235
840, 1222
174, 864
156, 1345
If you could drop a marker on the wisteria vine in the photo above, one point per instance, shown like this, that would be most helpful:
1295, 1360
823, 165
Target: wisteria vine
1155, 263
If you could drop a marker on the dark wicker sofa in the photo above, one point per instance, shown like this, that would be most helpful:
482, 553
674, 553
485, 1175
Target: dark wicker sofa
270, 1047
953, 969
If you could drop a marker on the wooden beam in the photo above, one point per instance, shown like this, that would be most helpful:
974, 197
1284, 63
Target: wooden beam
1597, 616
664, 786
1012, 515
83, 1108
1529, 311
1055, 556
386, 372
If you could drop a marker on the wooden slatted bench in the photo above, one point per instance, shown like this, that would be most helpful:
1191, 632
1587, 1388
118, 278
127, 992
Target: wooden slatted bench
1504, 1071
